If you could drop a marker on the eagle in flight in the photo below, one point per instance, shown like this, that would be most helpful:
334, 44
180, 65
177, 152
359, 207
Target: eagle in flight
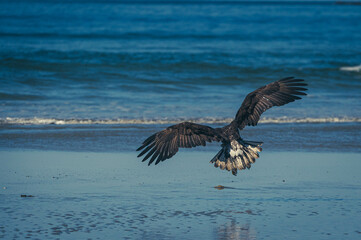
236, 153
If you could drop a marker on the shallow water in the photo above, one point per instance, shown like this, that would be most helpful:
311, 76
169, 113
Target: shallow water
287, 195
324, 137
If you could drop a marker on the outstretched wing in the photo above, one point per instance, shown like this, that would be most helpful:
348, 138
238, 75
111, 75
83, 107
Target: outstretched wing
164, 144
277, 93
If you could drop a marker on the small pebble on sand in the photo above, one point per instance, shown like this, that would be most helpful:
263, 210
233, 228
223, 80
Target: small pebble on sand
24, 195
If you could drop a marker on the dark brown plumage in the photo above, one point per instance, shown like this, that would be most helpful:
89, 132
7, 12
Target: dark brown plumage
235, 153
274, 94
165, 144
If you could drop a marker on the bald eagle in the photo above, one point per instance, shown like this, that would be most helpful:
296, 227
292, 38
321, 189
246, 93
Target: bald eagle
236, 153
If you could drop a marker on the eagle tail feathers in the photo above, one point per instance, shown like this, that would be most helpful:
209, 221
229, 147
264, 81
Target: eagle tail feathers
237, 155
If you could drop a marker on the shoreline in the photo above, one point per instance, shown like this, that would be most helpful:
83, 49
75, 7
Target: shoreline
324, 137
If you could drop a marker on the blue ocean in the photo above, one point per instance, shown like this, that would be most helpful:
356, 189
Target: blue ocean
138, 65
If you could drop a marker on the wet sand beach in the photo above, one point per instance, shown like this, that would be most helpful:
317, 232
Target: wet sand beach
85, 195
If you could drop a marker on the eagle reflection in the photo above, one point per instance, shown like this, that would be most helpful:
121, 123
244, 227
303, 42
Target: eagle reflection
232, 230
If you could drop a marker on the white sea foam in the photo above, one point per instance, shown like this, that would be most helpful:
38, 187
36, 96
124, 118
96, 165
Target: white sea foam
351, 68
280, 120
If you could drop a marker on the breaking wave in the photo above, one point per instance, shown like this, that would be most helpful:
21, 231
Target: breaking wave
351, 68
281, 120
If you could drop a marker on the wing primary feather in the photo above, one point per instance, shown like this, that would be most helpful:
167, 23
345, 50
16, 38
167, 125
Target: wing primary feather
155, 155
296, 98
298, 88
297, 84
161, 154
285, 79
166, 149
293, 80
149, 153
298, 93
148, 140
147, 149
141, 147
276, 101
160, 157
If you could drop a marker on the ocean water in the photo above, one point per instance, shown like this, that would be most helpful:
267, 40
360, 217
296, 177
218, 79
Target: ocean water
93, 66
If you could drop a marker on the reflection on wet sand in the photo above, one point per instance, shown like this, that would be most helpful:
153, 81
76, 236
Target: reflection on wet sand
233, 230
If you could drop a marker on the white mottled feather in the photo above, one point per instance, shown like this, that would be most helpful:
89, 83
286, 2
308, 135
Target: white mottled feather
237, 155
